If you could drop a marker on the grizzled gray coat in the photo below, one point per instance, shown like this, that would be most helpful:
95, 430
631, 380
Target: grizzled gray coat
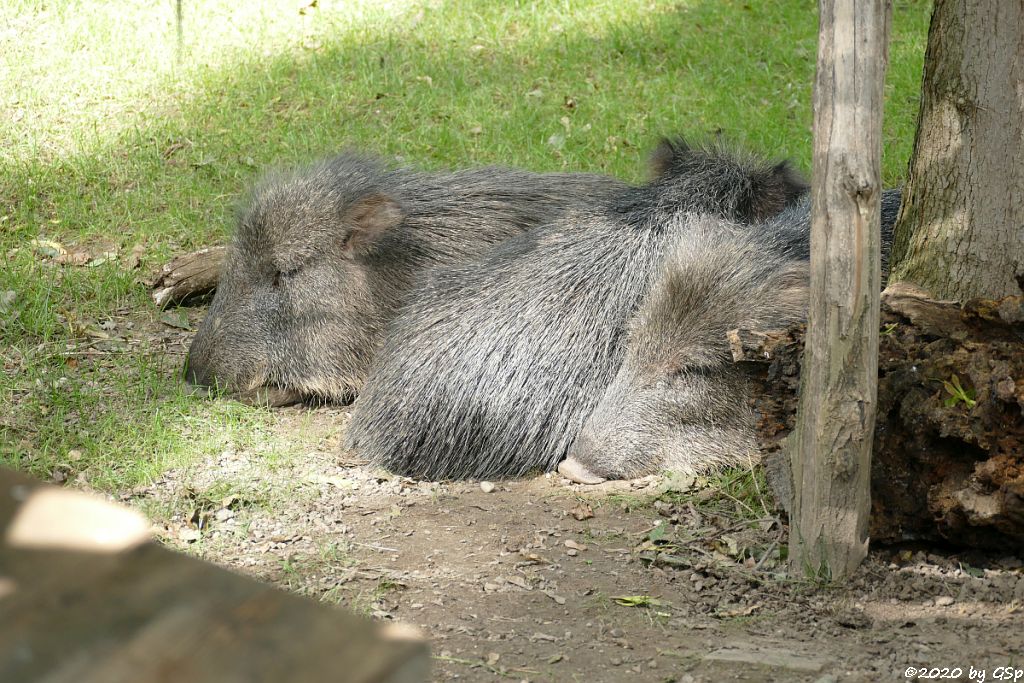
494, 365
324, 255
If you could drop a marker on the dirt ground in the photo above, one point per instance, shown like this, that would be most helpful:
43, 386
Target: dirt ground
662, 579
509, 583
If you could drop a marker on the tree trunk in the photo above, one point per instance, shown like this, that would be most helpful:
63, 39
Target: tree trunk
831, 447
960, 233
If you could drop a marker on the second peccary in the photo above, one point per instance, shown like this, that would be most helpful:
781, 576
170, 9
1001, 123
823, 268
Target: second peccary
493, 366
678, 401
323, 256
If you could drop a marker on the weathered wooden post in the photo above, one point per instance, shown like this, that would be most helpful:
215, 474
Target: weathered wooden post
830, 450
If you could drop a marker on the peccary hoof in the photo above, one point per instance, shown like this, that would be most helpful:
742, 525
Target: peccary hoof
570, 468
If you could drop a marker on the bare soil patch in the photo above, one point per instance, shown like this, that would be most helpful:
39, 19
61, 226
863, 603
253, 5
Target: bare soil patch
662, 579
520, 583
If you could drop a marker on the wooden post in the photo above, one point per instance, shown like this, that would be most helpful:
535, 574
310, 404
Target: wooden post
830, 450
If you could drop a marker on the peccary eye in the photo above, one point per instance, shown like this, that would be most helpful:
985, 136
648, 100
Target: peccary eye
281, 275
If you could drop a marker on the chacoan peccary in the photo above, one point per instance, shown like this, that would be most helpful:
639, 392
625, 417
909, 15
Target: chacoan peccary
493, 366
323, 256
678, 402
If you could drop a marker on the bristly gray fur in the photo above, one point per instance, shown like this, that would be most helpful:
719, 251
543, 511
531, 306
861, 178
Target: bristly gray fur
493, 365
678, 402
323, 256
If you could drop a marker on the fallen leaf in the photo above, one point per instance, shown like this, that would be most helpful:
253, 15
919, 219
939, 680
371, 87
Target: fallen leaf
638, 601
176, 319
48, 248
728, 545
740, 612
519, 581
582, 512
134, 258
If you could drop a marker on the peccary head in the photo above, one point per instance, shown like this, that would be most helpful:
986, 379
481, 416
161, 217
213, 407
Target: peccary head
298, 308
713, 178
677, 401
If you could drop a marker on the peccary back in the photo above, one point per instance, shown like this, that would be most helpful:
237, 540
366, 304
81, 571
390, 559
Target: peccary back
493, 365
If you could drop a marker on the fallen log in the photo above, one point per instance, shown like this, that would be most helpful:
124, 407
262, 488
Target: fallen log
189, 277
948, 458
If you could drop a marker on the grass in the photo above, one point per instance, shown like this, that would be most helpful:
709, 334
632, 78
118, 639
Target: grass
119, 136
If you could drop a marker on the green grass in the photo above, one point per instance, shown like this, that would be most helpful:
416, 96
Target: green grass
115, 135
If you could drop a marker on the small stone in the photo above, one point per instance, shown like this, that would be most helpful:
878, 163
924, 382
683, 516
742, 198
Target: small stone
519, 581
74, 454
487, 486
944, 601
557, 598
572, 553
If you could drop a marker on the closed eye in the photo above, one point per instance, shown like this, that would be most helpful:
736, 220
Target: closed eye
282, 275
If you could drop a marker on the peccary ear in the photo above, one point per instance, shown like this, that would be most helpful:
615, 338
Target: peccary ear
367, 219
668, 152
773, 190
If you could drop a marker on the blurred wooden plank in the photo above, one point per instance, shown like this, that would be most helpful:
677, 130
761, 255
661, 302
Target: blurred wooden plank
148, 614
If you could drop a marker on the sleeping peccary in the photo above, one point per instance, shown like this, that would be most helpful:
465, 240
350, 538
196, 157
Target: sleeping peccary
323, 256
678, 401
492, 367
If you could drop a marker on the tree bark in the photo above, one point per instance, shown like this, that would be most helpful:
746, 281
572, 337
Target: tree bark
960, 233
831, 447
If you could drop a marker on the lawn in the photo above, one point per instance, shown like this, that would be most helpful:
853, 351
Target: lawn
128, 137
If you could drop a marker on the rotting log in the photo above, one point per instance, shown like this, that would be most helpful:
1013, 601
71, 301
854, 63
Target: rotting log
948, 462
831, 447
86, 597
188, 277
